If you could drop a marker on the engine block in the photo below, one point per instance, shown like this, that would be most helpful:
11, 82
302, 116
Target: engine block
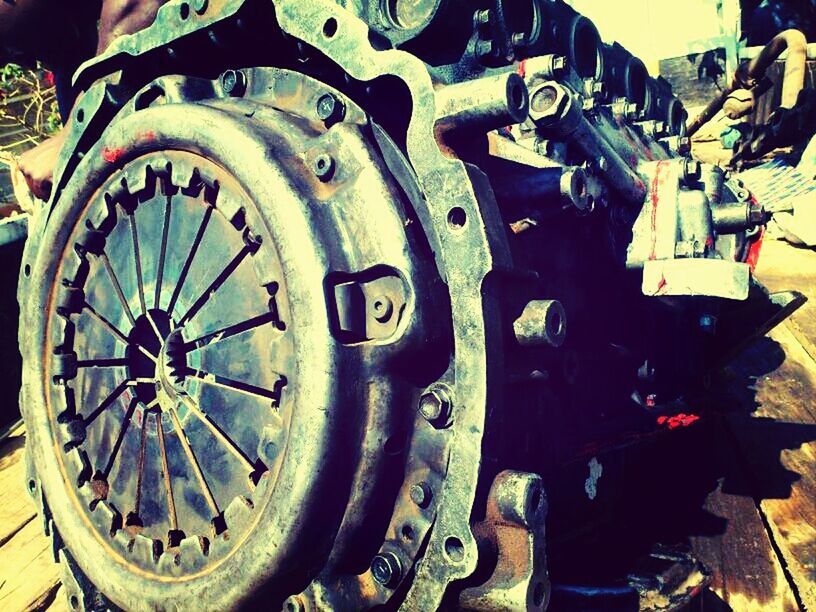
329, 298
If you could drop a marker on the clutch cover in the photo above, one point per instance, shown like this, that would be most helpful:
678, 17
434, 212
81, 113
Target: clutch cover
216, 342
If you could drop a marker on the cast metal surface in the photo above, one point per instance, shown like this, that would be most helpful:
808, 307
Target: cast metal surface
287, 322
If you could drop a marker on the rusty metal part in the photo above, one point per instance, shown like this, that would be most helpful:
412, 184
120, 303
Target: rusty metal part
483, 104
283, 326
513, 531
748, 74
542, 322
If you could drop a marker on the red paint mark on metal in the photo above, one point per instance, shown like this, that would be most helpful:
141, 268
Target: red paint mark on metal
678, 420
661, 283
651, 400
655, 201
149, 136
752, 257
112, 155
522, 68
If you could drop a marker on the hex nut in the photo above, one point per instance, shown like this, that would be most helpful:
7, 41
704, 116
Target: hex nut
436, 406
386, 569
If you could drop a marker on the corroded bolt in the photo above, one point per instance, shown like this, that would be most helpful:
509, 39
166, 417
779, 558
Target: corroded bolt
559, 66
324, 167
692, 170
386, 569
234, 83
421, 494
435, 405
484, 48
482, 17
330, 109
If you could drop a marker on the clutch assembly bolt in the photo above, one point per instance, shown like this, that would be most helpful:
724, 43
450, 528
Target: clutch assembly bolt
330, 109
421, 494
386, 569
234, 83
435, 405
324, 167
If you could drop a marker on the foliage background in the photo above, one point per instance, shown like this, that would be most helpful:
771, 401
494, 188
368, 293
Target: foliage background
28, 115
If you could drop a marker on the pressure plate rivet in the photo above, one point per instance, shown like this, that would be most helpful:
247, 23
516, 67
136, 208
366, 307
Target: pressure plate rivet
386, 569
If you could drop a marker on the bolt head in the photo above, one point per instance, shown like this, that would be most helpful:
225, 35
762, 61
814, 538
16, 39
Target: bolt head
421, 494
482, 17
559, 66
435, 405
548, 103
692, 169
519, 39
386, 569
708, 323
330, 109
233, 82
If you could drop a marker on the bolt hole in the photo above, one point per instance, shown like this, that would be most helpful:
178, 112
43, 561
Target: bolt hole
73, 600
457, 217
80, 116
396, 443
580, 186
32, 485
538, 594
556, 323
534, 500
330, 27
454, 549
517, 96
184, 11
407, 533
27, 270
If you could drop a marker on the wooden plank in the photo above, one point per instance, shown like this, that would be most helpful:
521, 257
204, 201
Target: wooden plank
16, 508
746, 573
778, 447
60, 602
29, 578
783, 266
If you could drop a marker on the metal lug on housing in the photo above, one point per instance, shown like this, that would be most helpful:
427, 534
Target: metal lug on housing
486, 103
542, 323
